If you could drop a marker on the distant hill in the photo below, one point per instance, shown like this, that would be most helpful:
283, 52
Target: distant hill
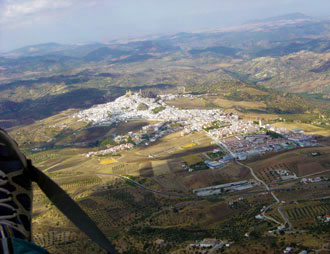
103, 53
317, 45
39, 49
44, 63
80, 50
323, 68
217, 50
290, 16
149, 46
292, 57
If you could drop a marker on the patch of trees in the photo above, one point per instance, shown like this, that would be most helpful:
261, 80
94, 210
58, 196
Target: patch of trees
273, 134
158, 109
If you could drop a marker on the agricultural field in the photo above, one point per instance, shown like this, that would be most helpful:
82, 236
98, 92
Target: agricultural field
119, 206
308, 128
208, 101
187, 103
228, 104
270, 176
305, 214
190, 145
193, 159
299, 161
122, 207
107, 161
144, 194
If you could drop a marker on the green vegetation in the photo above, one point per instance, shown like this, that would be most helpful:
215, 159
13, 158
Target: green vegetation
216, 155
170, 234
199, 166
215, 125
273, 134
107, 141
158, 109
142, 107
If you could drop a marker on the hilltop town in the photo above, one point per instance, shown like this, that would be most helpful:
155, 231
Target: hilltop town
241, 139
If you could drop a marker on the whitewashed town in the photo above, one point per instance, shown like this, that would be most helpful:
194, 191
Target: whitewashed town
241, 139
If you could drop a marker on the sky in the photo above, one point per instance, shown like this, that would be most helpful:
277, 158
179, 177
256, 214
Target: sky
29, 22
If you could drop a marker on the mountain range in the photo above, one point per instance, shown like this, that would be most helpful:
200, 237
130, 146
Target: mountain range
289, 53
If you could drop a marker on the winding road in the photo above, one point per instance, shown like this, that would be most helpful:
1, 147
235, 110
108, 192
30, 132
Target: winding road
287, 223
125, 178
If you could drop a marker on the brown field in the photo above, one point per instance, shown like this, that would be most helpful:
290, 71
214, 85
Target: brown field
206, 101
171, 146
270, 177
309, 168
186, 103
219, 211
160, 167
257, 116
308, 128
176, 165
223, 103
298, 161
192, 159
45, 130
204, 178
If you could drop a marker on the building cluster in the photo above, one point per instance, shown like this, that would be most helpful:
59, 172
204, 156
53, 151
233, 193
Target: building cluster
148, 134
235, 126
313, 180
245, 146
126, 108
225, 188
284, 174
326, 218
289, 250
260, 215
111, 150
242, 139
242, 147
219, 163
211, 243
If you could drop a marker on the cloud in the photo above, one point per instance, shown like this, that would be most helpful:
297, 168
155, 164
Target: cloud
16, 10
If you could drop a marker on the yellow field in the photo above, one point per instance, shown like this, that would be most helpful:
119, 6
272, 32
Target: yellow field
308, 128
190, 145
107, 161
192, 159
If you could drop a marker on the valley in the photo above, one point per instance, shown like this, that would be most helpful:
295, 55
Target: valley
204, 142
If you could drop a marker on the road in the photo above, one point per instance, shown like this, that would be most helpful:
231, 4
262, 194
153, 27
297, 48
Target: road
270, 218
259, 180
53, 166
287, 224
148, 189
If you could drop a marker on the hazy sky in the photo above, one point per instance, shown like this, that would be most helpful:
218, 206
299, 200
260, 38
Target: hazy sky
27, 22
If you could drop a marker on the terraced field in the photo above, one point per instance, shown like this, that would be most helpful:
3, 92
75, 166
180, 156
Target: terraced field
306, 213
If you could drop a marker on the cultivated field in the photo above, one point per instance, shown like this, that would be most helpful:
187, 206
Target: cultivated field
308, 128
305, 214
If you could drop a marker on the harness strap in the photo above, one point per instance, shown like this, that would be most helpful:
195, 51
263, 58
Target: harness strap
69, 208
